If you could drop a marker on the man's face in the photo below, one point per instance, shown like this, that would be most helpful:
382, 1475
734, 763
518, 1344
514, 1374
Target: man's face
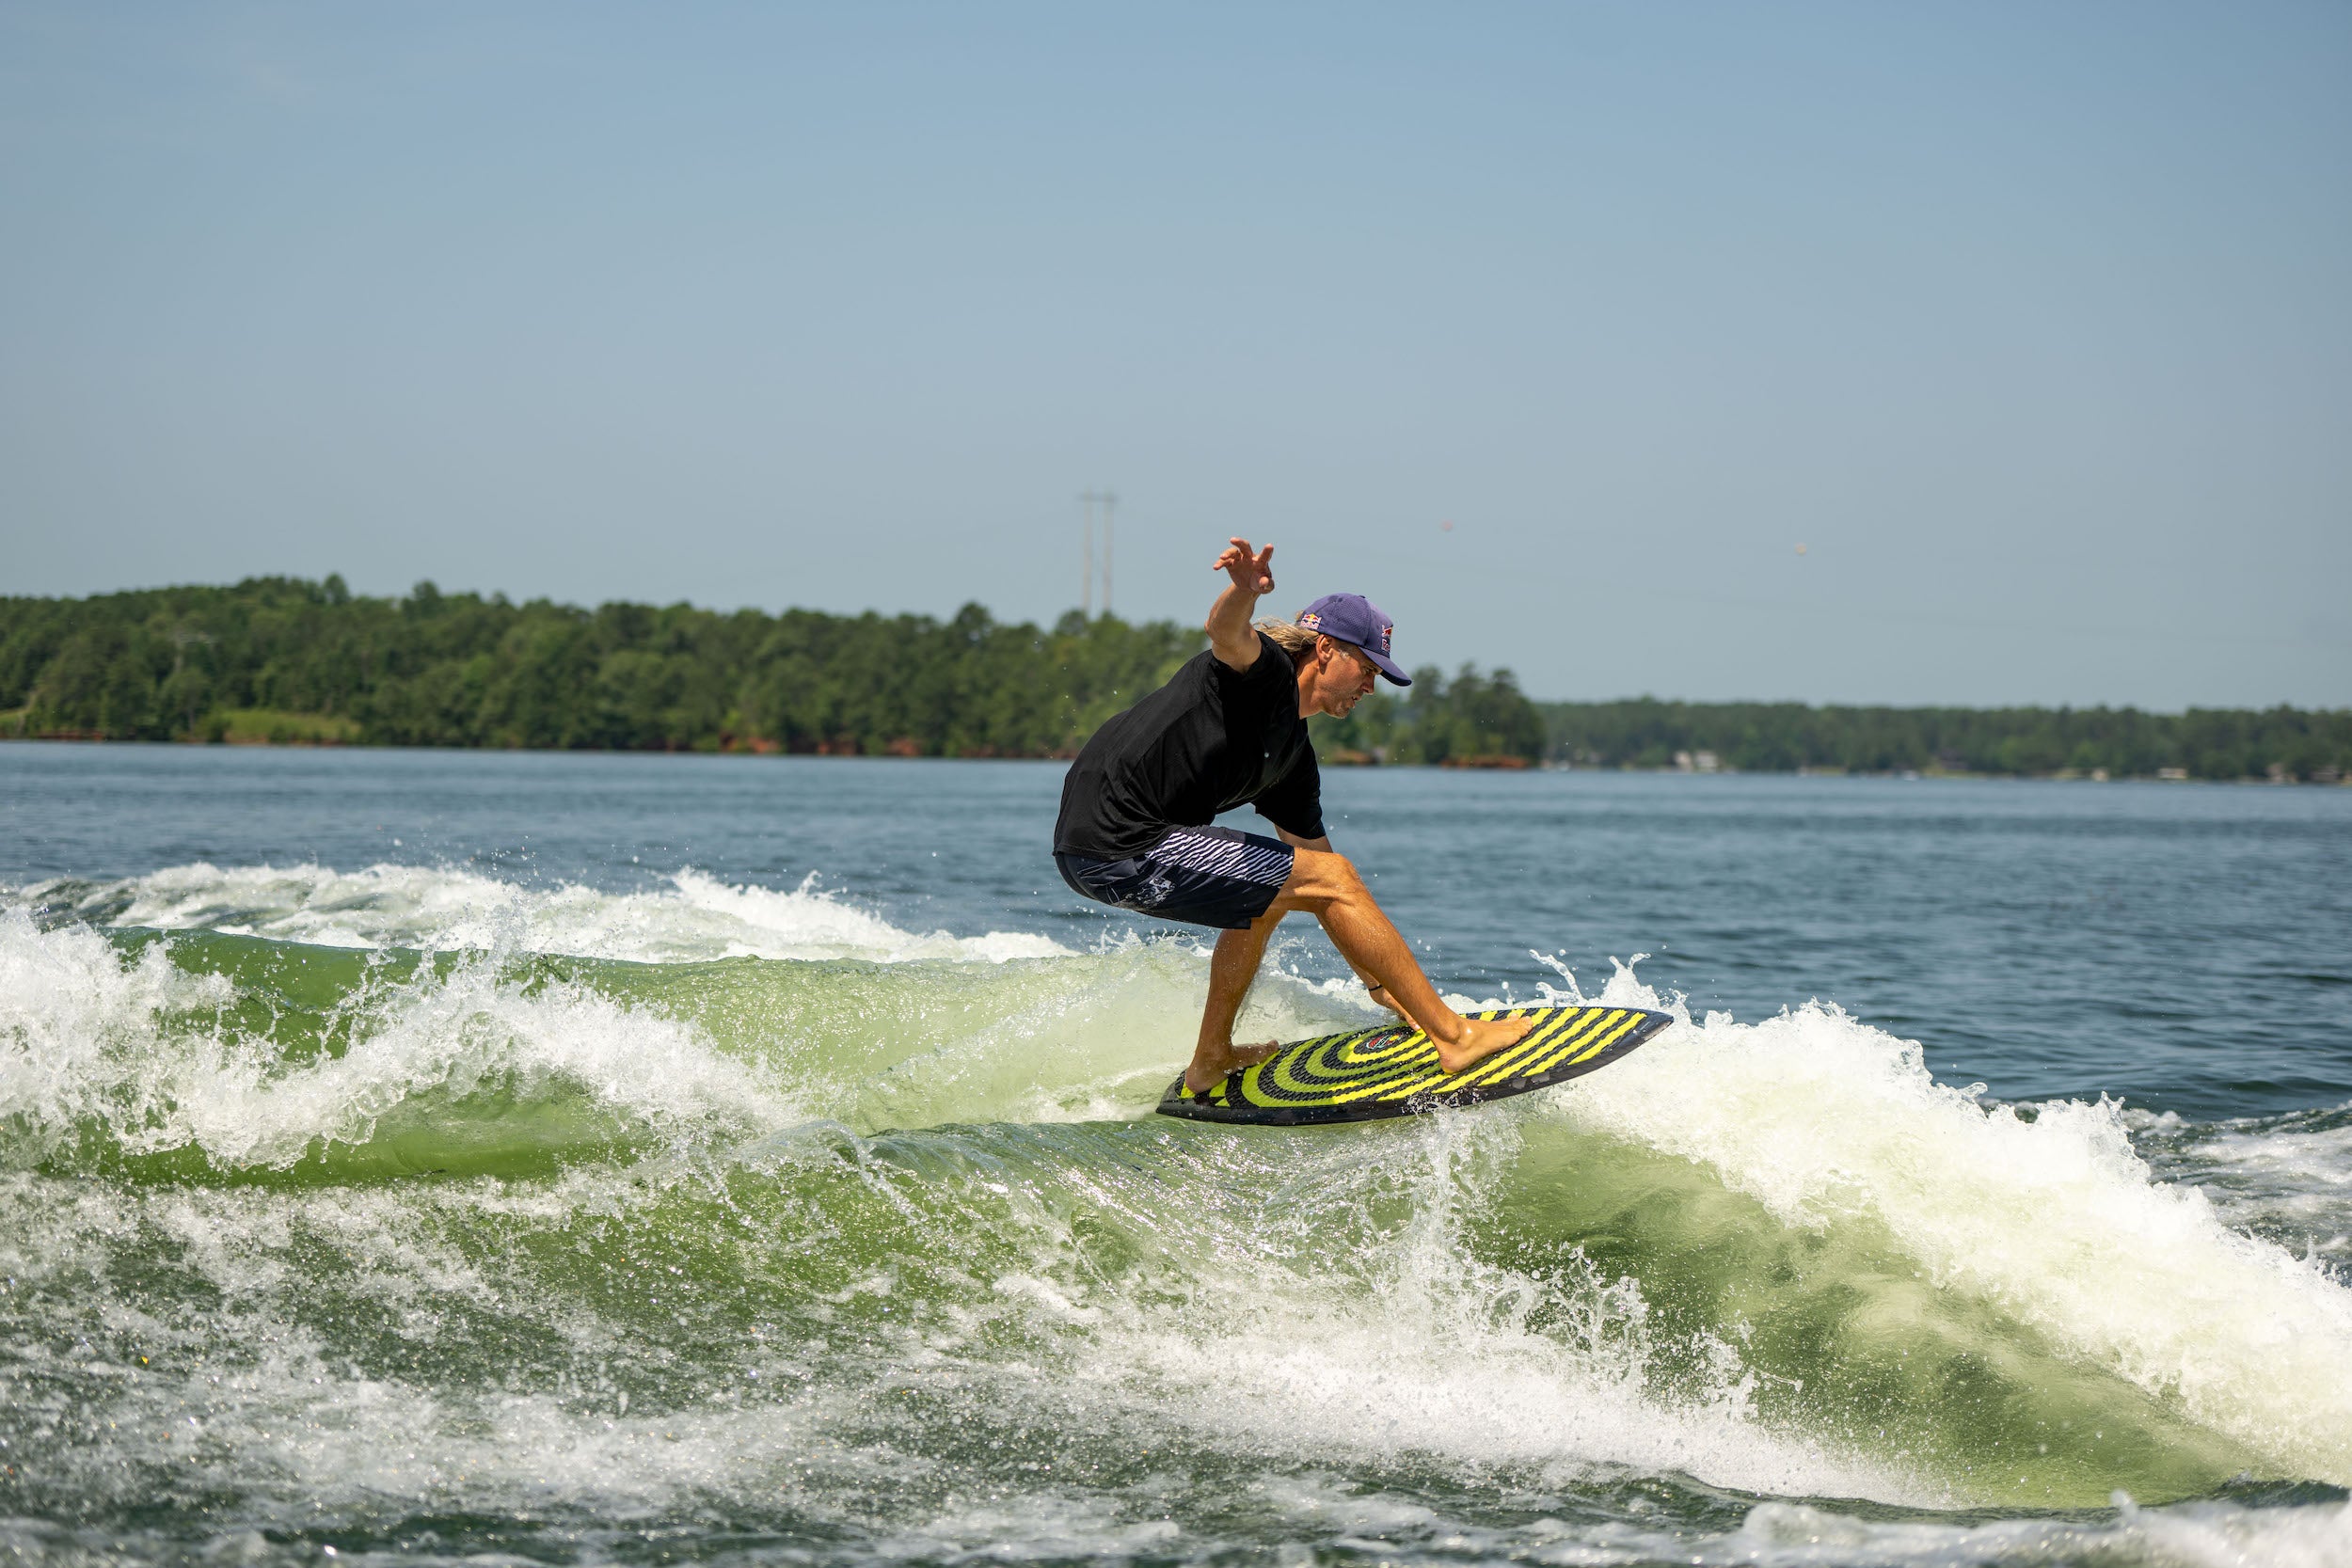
1347, 678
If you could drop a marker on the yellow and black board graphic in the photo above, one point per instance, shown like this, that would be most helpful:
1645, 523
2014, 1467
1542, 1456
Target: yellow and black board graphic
1392, 1071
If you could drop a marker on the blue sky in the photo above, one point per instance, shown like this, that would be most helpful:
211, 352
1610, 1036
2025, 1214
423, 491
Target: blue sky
2030, 323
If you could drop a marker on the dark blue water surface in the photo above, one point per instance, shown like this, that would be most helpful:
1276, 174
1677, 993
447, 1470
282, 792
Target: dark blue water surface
2181, 946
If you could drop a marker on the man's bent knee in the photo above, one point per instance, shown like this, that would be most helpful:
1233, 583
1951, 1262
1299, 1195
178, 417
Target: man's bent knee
1319, 878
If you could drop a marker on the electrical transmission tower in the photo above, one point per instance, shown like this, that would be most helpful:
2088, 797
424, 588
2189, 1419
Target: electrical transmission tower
1090, 503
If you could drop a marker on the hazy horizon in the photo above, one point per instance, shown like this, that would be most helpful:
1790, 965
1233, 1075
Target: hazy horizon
1554, 330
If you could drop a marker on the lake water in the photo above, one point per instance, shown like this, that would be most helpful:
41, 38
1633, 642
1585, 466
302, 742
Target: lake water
438, 1157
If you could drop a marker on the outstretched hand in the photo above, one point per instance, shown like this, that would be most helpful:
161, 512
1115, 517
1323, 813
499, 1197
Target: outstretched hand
1252, 574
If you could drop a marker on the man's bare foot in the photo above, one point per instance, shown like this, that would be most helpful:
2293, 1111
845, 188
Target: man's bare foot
1212, 1066
1481, 1039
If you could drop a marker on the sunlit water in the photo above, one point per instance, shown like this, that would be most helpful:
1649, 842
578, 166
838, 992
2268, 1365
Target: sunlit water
429, 1157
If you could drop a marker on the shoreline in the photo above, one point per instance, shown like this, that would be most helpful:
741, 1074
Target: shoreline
1474, 764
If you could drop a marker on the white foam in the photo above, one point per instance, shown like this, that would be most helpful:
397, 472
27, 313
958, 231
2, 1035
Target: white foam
160, 1059
71, 1016
2289, 1176
1800, 1535
2191, 1535
1332, 1332
1305, 1378
246, 1399
2056, 1218
1037, 1526
698, 917
140, 1046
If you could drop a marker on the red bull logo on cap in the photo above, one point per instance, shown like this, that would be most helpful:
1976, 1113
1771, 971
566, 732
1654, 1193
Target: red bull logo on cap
1313, 621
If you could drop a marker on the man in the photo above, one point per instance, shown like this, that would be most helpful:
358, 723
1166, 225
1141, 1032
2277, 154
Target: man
1229, 729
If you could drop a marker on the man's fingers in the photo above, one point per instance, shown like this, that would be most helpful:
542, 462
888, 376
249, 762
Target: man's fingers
1239, 554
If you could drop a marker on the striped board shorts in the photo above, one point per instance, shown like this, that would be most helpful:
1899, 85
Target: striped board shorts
1208, 875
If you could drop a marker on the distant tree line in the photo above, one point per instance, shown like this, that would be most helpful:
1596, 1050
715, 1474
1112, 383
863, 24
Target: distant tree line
2202, 743
278, 658
286, 659
438, 668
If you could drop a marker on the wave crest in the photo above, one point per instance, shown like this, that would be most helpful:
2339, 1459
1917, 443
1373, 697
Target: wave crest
698, 917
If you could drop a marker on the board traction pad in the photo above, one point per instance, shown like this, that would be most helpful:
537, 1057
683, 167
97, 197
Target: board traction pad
1392, 1071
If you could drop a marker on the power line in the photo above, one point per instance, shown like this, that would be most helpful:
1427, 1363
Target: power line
1089, 501
1109, 500
1086, 530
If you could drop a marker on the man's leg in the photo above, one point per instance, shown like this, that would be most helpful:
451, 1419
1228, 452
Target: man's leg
1232, 966
1371, 943
1328, 886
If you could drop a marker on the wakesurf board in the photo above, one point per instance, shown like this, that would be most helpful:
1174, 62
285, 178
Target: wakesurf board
1392, 1071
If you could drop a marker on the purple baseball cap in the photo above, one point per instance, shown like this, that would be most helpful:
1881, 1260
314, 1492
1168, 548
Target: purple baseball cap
1354, 619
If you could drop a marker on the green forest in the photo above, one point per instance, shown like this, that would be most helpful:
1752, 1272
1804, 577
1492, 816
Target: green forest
281, 660
2280, 743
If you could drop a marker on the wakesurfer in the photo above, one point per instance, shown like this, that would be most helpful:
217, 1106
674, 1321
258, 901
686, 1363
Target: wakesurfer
1137, 829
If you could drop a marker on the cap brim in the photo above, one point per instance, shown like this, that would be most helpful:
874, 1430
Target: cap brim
1387, 666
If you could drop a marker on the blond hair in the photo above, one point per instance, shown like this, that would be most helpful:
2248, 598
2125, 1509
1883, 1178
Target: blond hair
1289, 635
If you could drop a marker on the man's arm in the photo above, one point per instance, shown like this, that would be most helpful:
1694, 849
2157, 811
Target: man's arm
1230, 636
1380, 993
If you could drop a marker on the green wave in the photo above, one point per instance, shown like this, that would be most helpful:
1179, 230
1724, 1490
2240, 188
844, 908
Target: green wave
1846, 1336
930, 1190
